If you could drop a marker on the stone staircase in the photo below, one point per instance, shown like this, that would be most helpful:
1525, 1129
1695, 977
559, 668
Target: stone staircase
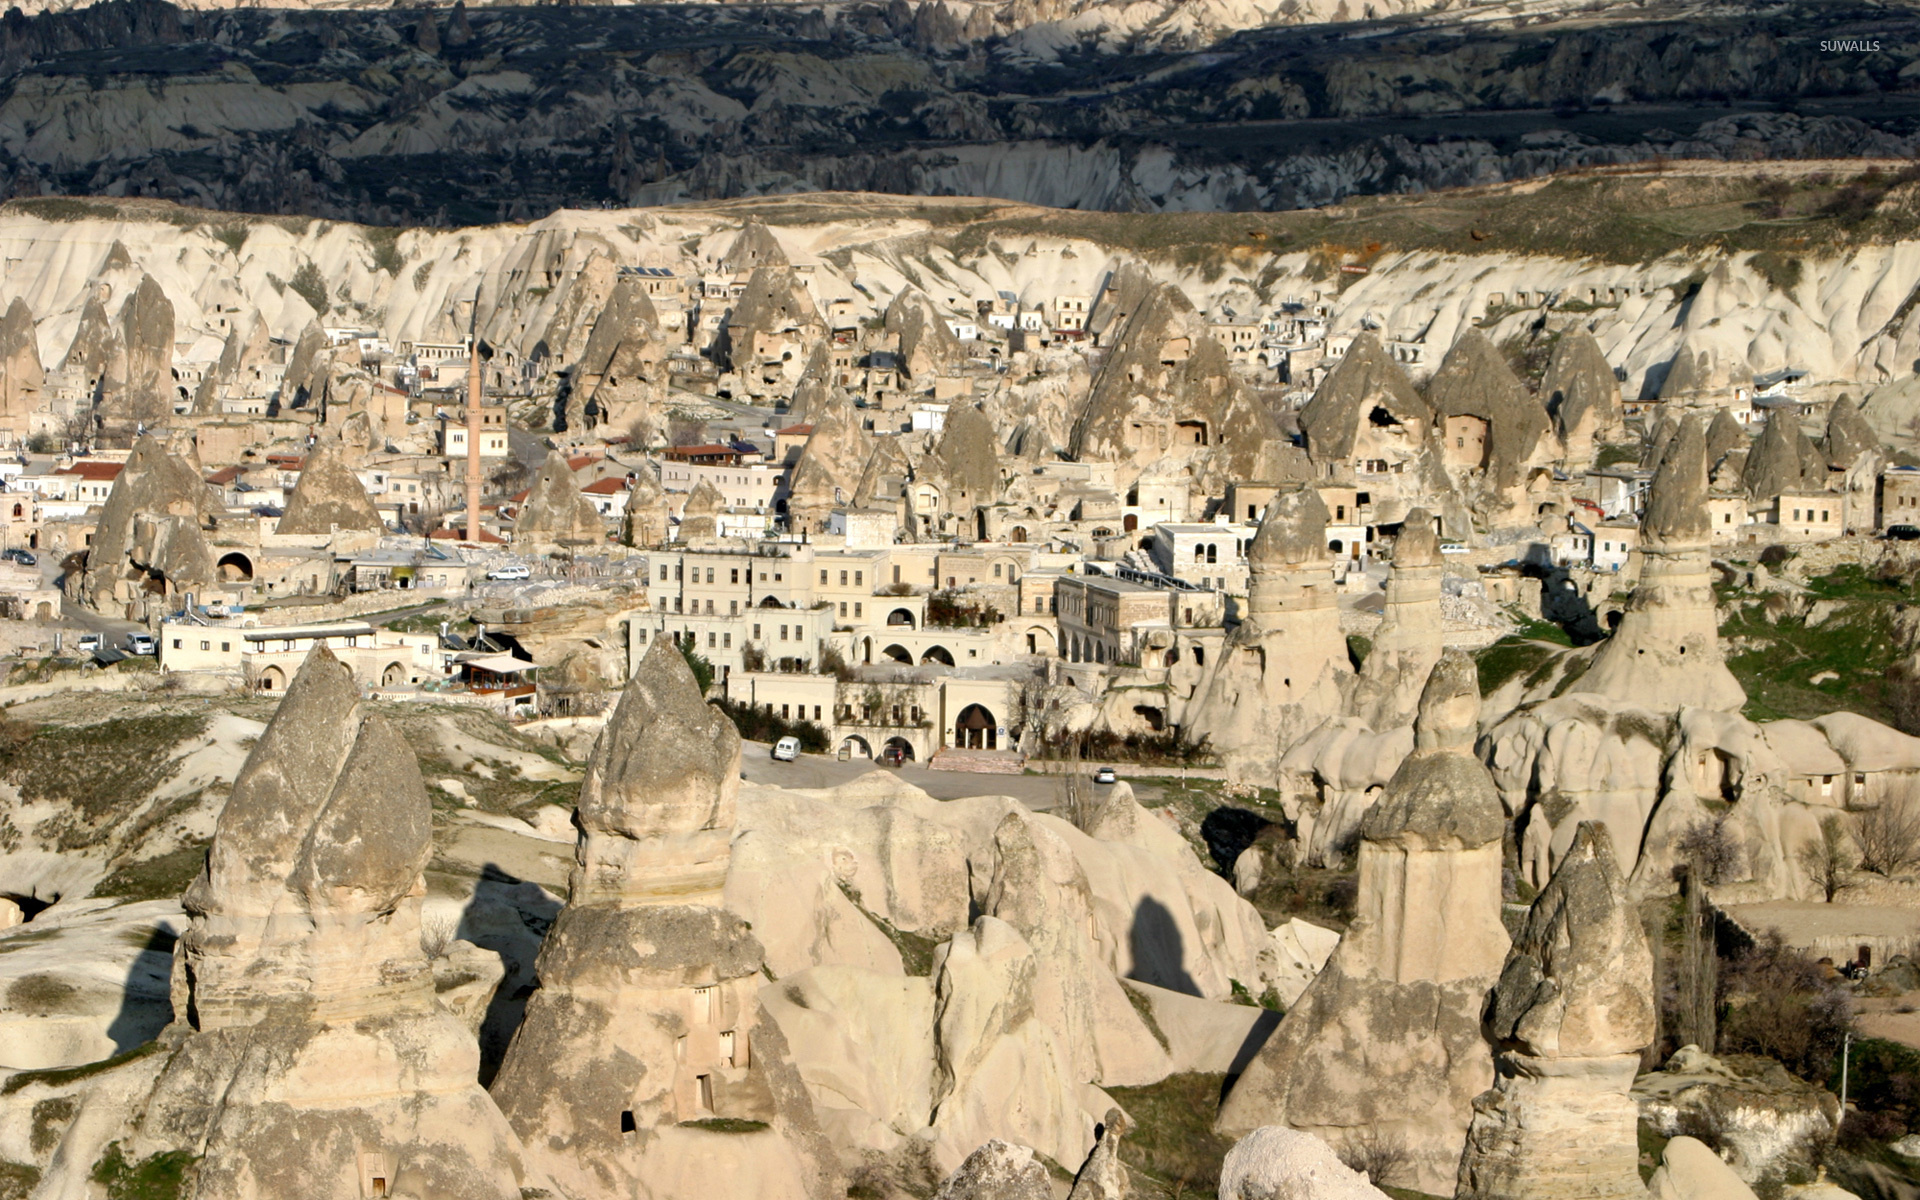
980, 762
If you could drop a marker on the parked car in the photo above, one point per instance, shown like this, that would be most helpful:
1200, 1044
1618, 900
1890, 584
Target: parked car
515, 571
893, 756
142, 643
1903, 533
786, 749
1105, 775
24, 557
90, 642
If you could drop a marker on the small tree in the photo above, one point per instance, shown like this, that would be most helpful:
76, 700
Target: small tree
698, 664
1889, 836
1828, 860
685, 430
1709, 848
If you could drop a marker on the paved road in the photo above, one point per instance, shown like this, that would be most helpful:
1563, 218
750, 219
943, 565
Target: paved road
824, 771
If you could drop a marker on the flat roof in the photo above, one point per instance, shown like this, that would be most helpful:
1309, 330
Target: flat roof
280, 632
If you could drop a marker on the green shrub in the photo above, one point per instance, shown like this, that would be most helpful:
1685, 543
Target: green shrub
161, 1177
312, 287
762, 724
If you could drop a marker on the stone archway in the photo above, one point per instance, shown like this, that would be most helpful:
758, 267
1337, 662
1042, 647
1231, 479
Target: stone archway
273, 679
898, 653
235, 568
936, 654
976, 729
394, 676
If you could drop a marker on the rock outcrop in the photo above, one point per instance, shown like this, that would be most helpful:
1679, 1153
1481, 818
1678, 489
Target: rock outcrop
645, 1065
621, 377
1782, 460
556, 515
1572, 1012
1386, 1042
998, 1170
22, 380
1367, 411
144, 395
150, 531
329, 497
1277, 1163
1582, 395
1493, 432
1284, 670
1412, 633
1665, 653
309, 1054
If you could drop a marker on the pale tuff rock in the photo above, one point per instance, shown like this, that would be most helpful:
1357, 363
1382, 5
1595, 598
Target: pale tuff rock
1583, 396
621, 375
1387, 1039
1848, 435
22, 381
1782, 460
247, 343
1476, 395
967, 459
700, 515
924, 342
307, 369
647, 1020
151, 525
776, 304
1343, 765
646, 522
146, 340
1573, 1009
1103, 1176
1724, 438
556, 514
830, 461
1412, 633
755, 247
1001, 1071
1366, 409
998, 1171
1277, 1163
1688, 1170
1167, 390
329, 496
312, 1057
814, 394
1768, 1125
1665, 652
1284, 670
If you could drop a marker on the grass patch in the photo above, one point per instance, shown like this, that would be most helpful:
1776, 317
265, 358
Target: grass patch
161, 878
1627, 454
725, 1125
1144, 1010
1508, 657
429, 622
99, 772
17, 1180
161, 1177
1173, 1143
916, 949
60, 1076
1777, 662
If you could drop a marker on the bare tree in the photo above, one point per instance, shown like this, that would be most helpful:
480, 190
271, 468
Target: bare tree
1381, 1157
686, 431
1710, 849
1889, 836
1077, 801
1829, 860
1697, 971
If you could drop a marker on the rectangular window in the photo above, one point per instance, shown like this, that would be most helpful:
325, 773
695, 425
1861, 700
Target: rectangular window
856, 608
896, 574
663, 572
843, 579
733, 608
711, 644
726, 641
709, 574
783, 633
859, 579
176, 643
843, 608
206, 646
736, 575
823, 577
676, 604
783, 712
225, 646
756, 633
816, 712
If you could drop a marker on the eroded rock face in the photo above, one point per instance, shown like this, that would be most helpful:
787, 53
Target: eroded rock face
1277, 1163
1573, 1009
1666, 650
151, 526
556, 514
998, 1170
1386, 1041
329, 496
622, 373
646, 1028
1582, 395
310, 1055
1480, 402
145, 395
1285, 669
21, 378
1411, 634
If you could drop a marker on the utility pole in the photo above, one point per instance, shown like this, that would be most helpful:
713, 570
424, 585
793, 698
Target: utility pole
1846, 1053
473, 438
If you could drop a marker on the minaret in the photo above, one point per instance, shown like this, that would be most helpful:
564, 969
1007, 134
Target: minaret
473, 440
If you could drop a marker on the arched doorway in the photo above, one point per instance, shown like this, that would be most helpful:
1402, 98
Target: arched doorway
901, 616
236, 568
394, 676
975, 729
899, 654
1130, 522
1039, 641
855, 746
273, 679
1017, 534
866, 650
898, 749
936, 654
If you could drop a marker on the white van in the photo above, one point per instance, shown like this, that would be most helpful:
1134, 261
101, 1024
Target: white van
786, 749
516, 571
